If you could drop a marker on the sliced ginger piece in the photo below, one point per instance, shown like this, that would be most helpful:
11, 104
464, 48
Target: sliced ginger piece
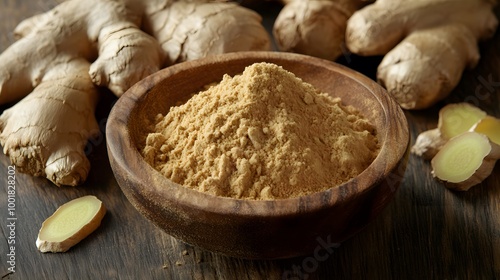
489, 126
465, 161
454, 119
70, 223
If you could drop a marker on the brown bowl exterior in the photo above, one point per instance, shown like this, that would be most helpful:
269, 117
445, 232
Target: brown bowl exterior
247, 228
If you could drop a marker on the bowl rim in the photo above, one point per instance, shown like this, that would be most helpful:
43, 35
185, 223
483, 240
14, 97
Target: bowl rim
119, 139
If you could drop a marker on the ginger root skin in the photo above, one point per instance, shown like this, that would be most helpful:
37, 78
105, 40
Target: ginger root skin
425, 52
428, 143
46, 132
126, 55
462, 151
191, 30
418, 78
315, 28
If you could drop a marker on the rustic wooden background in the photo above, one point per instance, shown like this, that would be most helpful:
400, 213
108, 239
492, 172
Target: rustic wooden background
427, 232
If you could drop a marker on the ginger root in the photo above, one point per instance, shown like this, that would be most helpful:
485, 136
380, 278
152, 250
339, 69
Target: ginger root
427, 44
314, 27
46, 132
188, 30
465, 161
70, 224
61, 57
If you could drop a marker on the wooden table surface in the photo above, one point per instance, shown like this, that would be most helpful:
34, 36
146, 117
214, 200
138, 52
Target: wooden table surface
427, 232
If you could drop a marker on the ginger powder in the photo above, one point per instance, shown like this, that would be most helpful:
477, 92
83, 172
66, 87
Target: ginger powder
264, 134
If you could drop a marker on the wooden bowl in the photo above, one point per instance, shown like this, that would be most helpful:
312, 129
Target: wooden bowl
249, 228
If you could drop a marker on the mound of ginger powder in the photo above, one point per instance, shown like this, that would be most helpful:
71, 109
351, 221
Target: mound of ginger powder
264, 134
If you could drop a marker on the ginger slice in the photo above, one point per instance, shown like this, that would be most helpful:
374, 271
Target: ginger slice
465, 160
489, 126
454, 119
70, 223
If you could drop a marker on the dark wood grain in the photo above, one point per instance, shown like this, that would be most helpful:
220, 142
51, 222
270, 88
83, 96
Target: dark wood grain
427, 232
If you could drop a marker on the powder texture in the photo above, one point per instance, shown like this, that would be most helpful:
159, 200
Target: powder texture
264, 134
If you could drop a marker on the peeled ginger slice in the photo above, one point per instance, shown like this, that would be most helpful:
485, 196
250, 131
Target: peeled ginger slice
489, 126
455, 119
465, 160
70, 223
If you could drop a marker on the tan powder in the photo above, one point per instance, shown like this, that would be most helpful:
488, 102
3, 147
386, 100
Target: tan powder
264, 134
